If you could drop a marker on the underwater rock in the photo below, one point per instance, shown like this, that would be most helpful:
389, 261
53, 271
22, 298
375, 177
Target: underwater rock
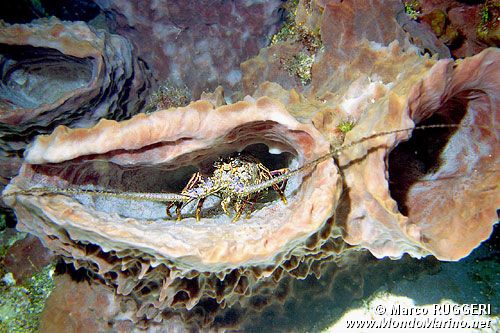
62, 73
268, 66
452, 208
346, 23
382, 208
368, 76
433, 195
213, 37
345, 26
423, 36
468, 28
438, 193
26, 257
171, 266
81, 307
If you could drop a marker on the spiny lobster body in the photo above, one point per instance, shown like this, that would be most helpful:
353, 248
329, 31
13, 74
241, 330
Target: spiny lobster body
231, 176
237, 180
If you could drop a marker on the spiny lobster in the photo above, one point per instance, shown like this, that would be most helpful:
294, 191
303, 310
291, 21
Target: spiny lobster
237, 180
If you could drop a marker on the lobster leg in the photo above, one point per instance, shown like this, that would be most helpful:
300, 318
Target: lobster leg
178, 207
193, 181
198, 208
254, 201
239, 207
280, 189
168, 209
224, 204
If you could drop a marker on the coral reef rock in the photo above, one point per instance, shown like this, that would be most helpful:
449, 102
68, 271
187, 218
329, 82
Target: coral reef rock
213, 37
345, 26
390, 205
171, 266
421, 192
392, 208
375, 78
61, 73
466, 27
89, 307
438, 193
451, 202
26, 257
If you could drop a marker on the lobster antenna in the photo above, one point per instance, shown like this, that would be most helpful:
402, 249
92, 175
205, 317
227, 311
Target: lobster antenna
140, 196
338, 150
172, 197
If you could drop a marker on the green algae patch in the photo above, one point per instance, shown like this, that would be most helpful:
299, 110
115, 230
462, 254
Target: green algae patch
300, 65
22, 305
412, 9
488, 29
346, 125
307, 36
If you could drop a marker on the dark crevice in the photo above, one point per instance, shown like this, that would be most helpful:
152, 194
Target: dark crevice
414, 160
24, 11
113, 177
95, 174
79, 275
